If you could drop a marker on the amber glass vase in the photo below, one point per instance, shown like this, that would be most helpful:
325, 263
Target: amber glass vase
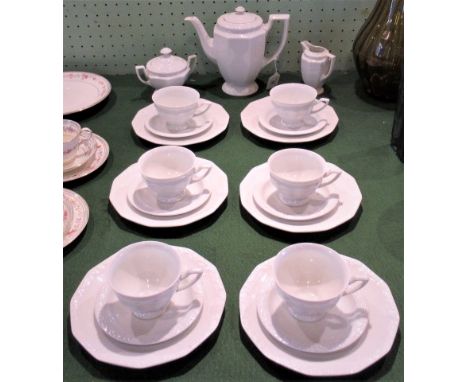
378, 50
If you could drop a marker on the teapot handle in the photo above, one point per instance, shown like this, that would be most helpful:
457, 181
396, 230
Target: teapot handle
284, 37
141, 74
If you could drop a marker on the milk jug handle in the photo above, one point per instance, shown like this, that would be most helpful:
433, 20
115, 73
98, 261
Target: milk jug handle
284, 37
332, 65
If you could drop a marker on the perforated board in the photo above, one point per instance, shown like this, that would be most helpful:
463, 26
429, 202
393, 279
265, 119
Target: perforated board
111, 37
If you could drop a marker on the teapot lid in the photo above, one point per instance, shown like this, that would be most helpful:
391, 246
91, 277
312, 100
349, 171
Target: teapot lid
166, 64
239, 21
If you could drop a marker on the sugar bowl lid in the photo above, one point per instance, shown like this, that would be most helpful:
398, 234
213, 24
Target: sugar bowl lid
239, 21
166, 64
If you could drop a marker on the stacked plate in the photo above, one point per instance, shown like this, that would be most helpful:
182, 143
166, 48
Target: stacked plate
355, 334
91, 155
205, 125
136, 202
327, 208
261, 119
75, 216
111, 333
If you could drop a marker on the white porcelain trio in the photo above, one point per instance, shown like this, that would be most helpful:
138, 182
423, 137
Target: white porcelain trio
176, 107
297, 174
145, 276
168, 171
311, 279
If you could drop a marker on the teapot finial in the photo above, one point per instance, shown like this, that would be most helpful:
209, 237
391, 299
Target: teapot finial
240, 10
166, 52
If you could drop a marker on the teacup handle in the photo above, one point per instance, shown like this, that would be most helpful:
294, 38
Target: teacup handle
200, 173
355, 284
87, 134
335, 173
323, 102
197, 272
202, 107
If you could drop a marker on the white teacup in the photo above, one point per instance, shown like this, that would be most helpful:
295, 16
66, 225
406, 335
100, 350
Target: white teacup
168, 170
72, 134
295, 102
177, 105
311, 278
145, 275
297, 173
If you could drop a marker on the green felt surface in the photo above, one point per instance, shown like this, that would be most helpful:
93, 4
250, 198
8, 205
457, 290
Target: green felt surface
230, 238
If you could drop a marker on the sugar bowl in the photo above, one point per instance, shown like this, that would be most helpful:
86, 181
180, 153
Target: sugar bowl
166, 70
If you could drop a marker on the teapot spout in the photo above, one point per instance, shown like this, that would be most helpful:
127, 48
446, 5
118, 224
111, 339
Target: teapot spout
205, 40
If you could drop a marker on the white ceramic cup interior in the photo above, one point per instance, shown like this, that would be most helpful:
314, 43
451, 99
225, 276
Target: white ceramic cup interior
311, 278
168, 170
72, 132
145, 276
176, 105
296, 173
293, 103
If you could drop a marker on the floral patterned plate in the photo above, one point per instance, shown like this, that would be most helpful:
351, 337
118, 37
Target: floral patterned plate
96, 161
79, 217
82, 90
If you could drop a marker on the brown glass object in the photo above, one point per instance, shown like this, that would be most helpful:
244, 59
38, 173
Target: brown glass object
378, 50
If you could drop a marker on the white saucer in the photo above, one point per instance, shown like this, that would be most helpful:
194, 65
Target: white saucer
82, 90
118, 322
215, 113
271, 121
158, 126
86, 149
145, 200
341, 327
345, 186
88, 333
319, 204
94, 162
374, 344
249, 118
216, 182
79, 217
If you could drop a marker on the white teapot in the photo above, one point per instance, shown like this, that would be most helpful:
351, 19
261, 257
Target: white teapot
317, 65
238, 47
166, 70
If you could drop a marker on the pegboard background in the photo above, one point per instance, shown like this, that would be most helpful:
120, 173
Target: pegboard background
111, 37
